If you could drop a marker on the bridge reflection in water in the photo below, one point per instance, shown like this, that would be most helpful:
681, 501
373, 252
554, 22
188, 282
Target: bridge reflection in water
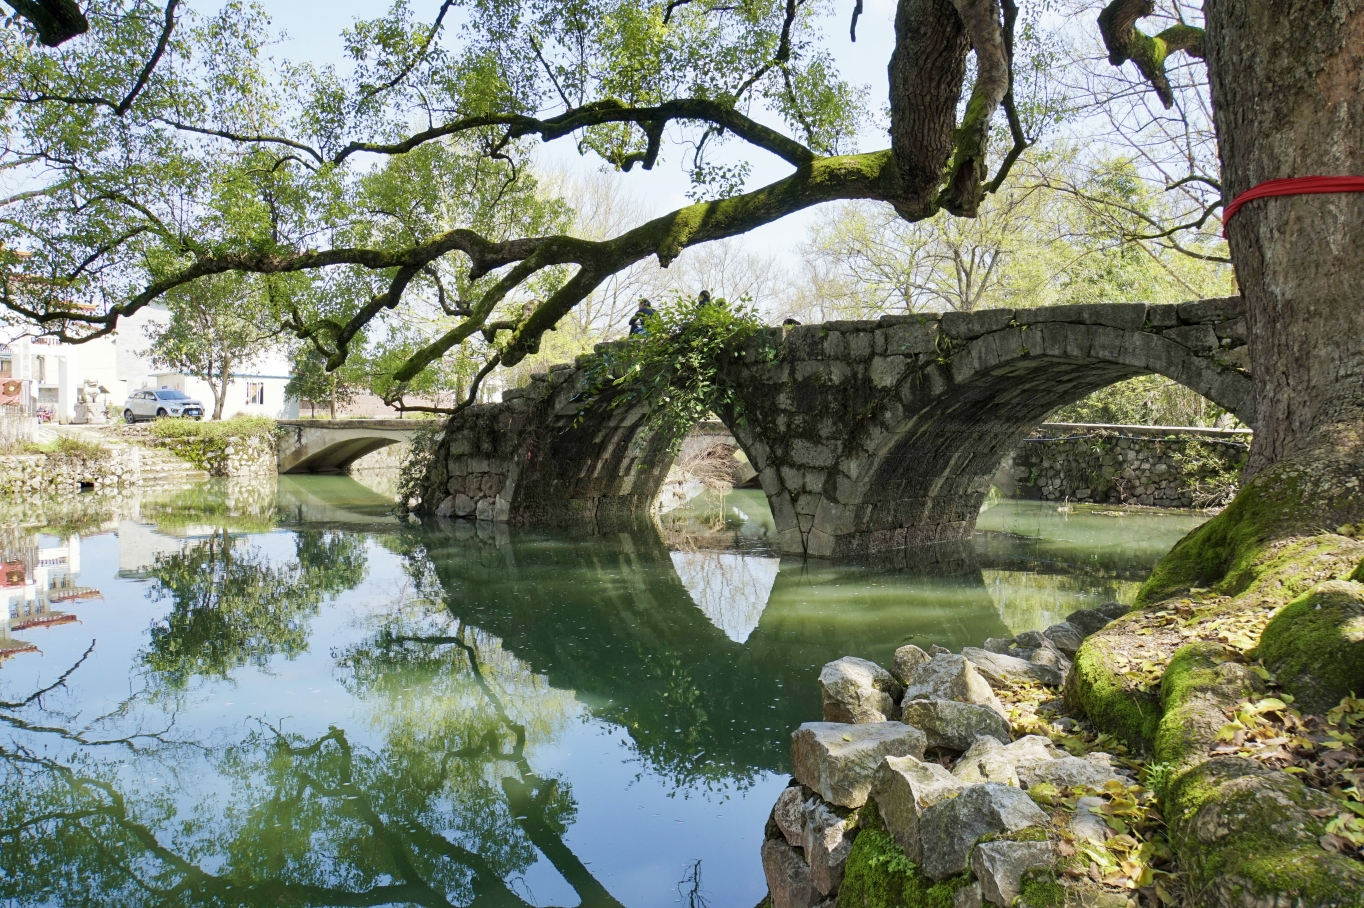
672, 629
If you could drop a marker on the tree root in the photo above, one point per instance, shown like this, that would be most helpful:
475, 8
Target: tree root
1165, 677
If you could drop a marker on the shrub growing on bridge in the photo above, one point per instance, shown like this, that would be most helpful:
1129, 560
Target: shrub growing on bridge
675, 370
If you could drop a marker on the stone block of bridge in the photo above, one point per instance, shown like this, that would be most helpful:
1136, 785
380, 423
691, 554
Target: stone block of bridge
868, 437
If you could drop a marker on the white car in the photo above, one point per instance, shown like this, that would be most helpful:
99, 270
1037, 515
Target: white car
156, 404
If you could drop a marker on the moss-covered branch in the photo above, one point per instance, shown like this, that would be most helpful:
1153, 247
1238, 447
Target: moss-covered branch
865, 176
1118, 25
966, 170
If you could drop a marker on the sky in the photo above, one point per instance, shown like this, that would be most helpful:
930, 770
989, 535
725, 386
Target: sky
313, 29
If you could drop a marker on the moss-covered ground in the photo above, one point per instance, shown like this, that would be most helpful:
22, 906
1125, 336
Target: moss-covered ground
879, 875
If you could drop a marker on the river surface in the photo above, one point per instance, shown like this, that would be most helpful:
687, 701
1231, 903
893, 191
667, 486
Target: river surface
288, 697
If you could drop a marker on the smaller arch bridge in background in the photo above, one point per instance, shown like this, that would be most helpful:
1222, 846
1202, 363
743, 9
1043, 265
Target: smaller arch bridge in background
868, 437
332, 445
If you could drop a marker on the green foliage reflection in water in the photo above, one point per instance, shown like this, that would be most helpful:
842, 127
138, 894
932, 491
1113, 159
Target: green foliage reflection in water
321, 819
676, 370
232, 606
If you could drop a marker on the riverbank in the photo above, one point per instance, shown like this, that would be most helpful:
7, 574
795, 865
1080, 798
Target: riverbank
955, 781
112, 459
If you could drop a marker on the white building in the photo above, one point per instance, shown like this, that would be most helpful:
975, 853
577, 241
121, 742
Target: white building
39, 372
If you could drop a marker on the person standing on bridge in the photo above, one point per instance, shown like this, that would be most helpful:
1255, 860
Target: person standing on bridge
638, 328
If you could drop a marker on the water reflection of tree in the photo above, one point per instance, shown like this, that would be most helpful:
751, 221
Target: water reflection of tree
231, 604
438, 819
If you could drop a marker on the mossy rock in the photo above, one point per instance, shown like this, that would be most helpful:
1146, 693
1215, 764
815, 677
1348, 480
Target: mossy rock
880, 875
1041, 889
1316, 645
1246, 836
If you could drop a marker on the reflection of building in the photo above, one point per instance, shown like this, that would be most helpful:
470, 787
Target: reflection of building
140, 546
37, 584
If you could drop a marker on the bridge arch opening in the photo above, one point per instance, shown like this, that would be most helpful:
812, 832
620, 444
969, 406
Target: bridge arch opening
940, 450
331, 446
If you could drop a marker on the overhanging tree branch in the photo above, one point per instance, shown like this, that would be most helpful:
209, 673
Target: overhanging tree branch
57, 21
1118, 26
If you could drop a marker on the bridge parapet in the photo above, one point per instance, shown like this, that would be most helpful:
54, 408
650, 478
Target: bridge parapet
868, 436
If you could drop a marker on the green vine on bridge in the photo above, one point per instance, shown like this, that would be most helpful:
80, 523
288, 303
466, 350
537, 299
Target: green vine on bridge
676, 369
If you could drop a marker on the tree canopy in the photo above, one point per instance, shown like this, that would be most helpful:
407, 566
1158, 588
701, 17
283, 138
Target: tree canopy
169, 146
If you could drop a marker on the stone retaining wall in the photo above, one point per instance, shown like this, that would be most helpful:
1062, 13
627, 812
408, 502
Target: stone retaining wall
1157, 466
236, 455
23, 475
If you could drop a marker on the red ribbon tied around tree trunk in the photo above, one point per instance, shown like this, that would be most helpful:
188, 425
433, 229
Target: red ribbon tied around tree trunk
1291, 186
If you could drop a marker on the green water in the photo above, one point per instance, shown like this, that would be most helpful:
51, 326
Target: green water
288, 697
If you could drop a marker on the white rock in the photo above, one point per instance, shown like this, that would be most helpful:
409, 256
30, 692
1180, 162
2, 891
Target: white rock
999, 867
954, 726
950, 829
903, 789
838, 761
858, 691
949, 677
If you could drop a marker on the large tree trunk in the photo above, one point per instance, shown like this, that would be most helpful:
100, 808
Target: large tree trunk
1288, 98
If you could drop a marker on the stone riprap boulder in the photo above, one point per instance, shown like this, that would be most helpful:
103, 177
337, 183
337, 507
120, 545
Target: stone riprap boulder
838, 761
1089, 824
950, 677
904, 661
1092, 620
857, 691
1066, 637
788, 876
988, 760
1070, 772
789, 814
952, 726
1034, 647
1002, 671
950, 829
829, 834
975, 817
999, 867
903, 789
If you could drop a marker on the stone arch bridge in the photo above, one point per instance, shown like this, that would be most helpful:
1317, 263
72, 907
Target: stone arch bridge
332, 445
868, 436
